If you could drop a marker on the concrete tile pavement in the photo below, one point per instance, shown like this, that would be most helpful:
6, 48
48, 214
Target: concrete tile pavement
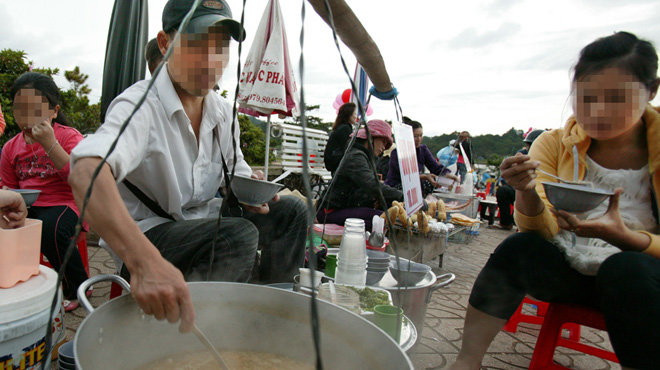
441, 339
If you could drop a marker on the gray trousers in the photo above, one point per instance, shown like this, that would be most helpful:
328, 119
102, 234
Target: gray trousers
280, 235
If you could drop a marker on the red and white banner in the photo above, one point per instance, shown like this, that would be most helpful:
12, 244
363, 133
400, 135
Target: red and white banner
267, 82
407, 155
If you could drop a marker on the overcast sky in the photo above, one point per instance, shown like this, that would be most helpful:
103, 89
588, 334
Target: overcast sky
481, 65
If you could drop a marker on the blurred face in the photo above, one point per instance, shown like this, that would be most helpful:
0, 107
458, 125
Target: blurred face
609, 103
198, 60
30, 108
379, 146
418, 134
353, 118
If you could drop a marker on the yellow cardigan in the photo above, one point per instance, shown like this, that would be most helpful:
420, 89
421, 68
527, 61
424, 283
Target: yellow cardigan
554, 149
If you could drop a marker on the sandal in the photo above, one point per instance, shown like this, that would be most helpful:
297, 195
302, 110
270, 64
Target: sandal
70, 305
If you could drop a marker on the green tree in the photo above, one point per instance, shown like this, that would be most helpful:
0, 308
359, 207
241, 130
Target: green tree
253, 144
312, 121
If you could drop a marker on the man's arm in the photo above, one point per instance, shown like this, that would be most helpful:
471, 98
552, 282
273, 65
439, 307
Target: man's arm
157, 286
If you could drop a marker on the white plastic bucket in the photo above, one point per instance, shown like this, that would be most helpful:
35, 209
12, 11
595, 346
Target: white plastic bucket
24, 317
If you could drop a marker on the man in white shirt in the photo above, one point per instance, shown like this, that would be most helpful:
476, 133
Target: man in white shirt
172, 152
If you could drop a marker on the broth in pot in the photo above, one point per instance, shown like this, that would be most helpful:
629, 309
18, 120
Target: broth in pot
234, 359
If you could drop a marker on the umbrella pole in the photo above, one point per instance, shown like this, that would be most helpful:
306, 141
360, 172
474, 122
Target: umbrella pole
267, 146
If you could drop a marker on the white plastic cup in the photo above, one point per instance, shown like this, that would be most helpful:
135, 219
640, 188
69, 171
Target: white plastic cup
306, 278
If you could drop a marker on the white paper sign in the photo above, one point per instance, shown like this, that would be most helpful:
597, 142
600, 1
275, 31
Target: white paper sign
407, 155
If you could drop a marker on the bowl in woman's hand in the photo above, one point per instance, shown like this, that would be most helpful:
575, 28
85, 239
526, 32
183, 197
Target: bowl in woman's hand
29, 195
253, 192
574, 198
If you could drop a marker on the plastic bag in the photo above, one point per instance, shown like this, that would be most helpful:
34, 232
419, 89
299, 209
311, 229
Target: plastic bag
447, 156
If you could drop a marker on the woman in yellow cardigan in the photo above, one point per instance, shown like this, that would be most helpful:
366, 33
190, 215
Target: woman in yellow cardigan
608, 258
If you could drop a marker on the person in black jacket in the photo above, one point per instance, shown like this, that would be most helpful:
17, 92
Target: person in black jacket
354, 194
341, 131
464, 142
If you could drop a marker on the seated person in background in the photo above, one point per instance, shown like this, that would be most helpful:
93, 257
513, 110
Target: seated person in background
153, 55
383, 163
505, 194
354, 194
341, 132
607, 258
172, 151
38, 158
424, 159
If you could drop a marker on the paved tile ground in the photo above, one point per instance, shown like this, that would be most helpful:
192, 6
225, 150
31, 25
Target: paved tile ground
441, 338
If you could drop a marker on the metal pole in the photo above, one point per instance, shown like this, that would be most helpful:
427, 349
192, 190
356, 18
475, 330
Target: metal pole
267, 146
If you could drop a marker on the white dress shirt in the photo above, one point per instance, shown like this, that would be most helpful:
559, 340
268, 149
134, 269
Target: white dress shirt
159, 153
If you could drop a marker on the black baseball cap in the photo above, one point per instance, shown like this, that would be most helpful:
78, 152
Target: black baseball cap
207, 14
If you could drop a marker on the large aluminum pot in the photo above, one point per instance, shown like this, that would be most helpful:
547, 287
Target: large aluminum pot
234, 317
414, 299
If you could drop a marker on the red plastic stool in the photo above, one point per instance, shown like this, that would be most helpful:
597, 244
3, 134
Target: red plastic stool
115, 290
557, 317
541, 310
81, 243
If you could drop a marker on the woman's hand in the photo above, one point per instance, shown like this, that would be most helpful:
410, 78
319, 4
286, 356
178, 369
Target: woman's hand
13, 210
608, 227
430, 178
518, 171
451, 176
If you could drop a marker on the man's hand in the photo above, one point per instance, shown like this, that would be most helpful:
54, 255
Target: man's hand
263, 209
160, 290
518, 171
13, 210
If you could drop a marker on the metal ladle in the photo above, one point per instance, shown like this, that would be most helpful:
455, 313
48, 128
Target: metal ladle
202, 338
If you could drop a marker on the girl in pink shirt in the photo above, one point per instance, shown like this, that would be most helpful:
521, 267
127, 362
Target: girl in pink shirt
38, 158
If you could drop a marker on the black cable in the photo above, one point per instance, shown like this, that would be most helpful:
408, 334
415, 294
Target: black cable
228, 178
97, 170
308, 190
372, 165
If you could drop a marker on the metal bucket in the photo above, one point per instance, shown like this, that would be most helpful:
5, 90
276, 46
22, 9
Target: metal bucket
234, 316
414, 299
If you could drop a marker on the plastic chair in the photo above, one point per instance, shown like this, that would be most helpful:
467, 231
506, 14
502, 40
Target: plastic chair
81, 243
541, 310
557, 317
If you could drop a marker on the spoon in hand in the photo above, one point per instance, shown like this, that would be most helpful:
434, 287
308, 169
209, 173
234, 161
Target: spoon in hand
584, 183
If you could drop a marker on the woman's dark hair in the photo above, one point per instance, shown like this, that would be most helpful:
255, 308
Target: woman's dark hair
344, 114
414, 124
622, 50
46, 87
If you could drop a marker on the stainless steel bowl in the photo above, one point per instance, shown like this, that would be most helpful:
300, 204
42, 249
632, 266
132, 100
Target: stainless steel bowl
574, 198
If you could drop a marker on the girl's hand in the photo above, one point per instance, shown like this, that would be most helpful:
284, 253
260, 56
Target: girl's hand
608, 227
43, 133
518, 171
13, 210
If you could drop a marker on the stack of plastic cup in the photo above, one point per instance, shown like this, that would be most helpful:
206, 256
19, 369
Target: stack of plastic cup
352, 259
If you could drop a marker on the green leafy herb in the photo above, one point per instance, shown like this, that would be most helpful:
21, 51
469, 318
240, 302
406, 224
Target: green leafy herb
369, 298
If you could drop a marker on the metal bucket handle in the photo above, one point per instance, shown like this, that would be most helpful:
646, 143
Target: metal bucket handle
450, 277
82, 289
